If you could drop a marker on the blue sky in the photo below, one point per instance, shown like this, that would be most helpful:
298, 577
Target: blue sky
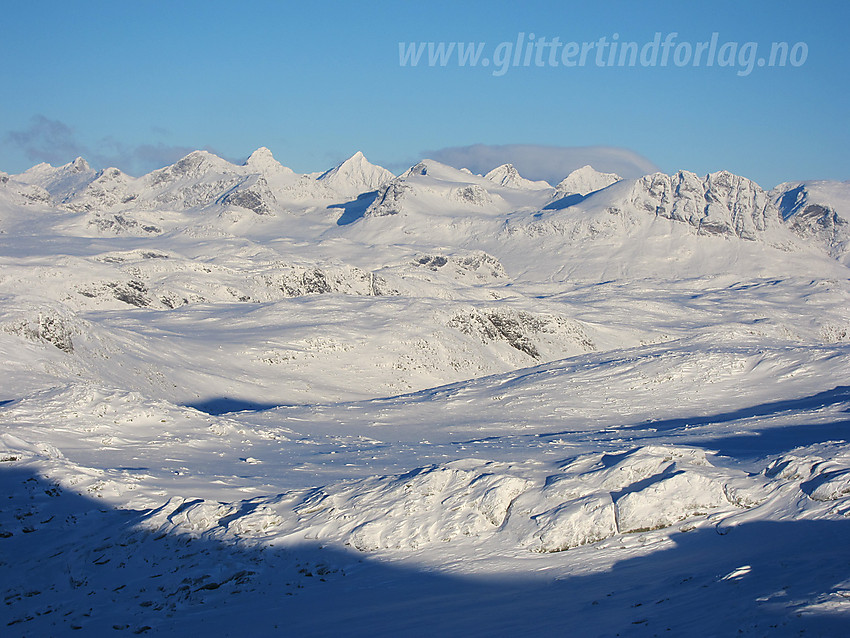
138, 84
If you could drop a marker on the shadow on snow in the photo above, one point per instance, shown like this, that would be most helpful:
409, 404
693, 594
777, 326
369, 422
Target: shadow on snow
839, 394
222, 405
68, 562
753, 440
355, 209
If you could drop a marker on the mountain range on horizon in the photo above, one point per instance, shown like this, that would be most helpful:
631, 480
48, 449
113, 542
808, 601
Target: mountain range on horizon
262, 159
721, 203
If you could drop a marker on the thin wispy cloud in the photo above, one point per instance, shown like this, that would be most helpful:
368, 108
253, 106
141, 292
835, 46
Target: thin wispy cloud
137, 159
55, 142
45, 140
550, 163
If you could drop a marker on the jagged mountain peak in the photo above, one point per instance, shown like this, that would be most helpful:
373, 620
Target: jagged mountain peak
502, 171
61, 182
79, 165
508, 175
420, 168
727, 179
721, 203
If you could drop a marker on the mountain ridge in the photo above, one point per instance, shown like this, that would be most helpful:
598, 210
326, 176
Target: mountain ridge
718, 204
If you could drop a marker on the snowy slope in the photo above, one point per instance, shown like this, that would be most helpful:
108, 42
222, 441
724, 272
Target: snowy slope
818, 210
61, 182
237, 400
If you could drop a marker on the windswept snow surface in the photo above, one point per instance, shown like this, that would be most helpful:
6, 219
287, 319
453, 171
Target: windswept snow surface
242, 401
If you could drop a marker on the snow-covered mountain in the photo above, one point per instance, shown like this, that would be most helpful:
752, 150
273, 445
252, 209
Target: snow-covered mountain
585, 180
719, 204
355, 175
225, 384
818, 211
62, 182
201, 179
508, 175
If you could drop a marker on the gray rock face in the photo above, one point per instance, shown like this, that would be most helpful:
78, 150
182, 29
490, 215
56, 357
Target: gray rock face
255, 196
111, 188
719, 204
389, 199
817, 211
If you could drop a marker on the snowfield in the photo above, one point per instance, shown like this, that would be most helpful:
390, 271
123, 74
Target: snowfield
241, 401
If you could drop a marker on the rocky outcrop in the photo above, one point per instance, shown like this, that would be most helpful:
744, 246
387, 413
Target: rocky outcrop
719, 204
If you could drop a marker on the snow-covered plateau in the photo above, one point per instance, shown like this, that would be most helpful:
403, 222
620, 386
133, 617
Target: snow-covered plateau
237, 400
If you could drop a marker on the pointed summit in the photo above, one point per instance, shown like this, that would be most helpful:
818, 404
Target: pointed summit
263, 160
355, 175
80, 165
62, 182
585, 180
508, 175
354, 163
261, 155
